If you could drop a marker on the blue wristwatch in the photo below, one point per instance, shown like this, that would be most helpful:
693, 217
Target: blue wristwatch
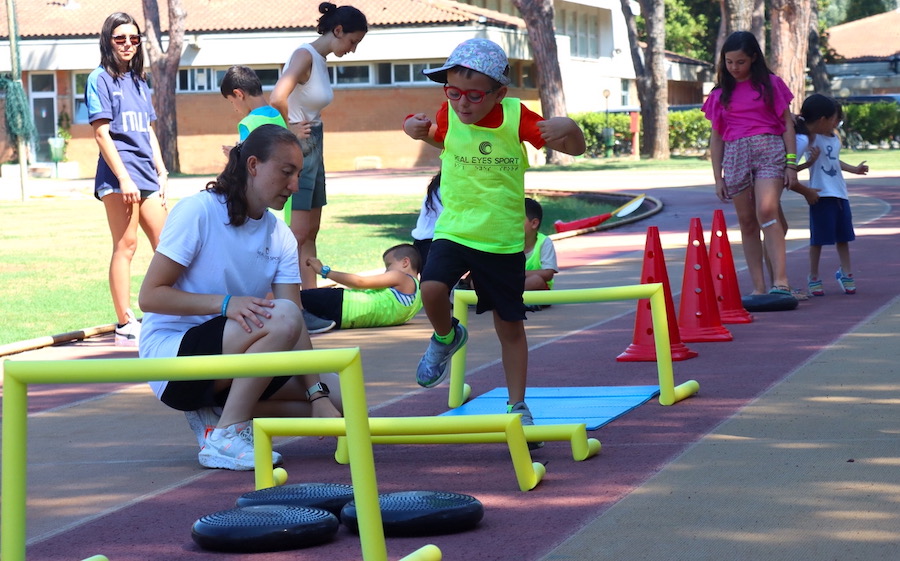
325, 270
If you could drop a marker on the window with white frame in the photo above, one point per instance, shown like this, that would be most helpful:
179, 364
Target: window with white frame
350, 75
593, 36
503, 6
79, 82
208, 79
583, 30
196, 80
412, 73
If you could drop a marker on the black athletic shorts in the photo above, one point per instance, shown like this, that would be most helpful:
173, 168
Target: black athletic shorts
499, 278
190, 395
326, 303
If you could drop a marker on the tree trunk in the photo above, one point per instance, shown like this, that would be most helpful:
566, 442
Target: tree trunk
738, 15
790, 40
538, 16
656, 120
641, 76
758, 22
816, 63
723, 31
650, 76
741, 15
164, 73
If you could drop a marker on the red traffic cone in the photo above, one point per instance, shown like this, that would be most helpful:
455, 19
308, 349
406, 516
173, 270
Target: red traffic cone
698, 314
643, 347
724, 276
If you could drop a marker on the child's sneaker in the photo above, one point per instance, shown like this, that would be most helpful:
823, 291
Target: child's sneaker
432, 368
129, 333
848, 285
202, 422
816, 288
231, 448
316, 325
527, 420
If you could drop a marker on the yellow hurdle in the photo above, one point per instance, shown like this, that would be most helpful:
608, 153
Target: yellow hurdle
419, 430
582, 446
669, 393
346, 362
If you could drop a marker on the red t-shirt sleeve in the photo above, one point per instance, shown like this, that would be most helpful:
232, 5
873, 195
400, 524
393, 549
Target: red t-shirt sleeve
528, 130
440, 119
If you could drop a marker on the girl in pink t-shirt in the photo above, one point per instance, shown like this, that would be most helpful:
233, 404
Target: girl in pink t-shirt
753, 153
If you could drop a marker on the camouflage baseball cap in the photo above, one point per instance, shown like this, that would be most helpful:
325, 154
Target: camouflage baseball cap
480, 55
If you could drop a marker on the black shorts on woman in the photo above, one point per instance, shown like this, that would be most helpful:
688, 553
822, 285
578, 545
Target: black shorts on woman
189, 395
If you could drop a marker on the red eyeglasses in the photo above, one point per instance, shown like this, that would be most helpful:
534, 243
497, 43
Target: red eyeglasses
474, 96
135, 40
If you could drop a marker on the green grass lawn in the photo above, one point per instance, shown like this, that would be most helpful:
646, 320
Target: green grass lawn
54, 254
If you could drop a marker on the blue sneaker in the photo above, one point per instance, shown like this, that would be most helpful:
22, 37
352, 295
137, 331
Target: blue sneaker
527, 420
433, 367
848, 285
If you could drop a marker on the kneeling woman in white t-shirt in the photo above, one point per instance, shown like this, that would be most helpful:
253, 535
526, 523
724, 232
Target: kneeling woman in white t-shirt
220, 255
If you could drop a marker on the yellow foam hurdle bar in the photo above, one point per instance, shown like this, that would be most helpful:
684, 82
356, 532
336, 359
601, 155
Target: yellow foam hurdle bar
507, 428
669, 393
582, 446
346, 362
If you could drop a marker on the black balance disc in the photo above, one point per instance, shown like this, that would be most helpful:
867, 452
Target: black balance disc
264, 528
421, 513
329, 496
769, 302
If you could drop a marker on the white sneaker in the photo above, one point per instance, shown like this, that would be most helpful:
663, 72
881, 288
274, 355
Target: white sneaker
231, 448
202, 422
128, 334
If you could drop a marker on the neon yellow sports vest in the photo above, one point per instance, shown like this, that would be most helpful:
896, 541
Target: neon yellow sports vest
533, 263
266, 115
379, 307
483, 184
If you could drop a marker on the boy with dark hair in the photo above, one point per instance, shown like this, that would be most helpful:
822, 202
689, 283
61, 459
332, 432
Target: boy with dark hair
540, 255
242, 88
480, 132
382, 300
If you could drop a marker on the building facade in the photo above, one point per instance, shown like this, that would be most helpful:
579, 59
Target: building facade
375, 88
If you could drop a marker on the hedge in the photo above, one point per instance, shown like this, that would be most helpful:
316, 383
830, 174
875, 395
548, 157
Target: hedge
689, 131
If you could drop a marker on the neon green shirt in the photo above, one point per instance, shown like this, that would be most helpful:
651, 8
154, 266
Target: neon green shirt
533, 263
483, 184
265, 115
379, 307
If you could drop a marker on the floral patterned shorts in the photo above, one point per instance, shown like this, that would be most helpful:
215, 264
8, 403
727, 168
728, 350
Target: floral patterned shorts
750, 158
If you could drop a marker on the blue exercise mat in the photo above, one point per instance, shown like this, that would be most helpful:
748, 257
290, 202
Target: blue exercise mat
594, 406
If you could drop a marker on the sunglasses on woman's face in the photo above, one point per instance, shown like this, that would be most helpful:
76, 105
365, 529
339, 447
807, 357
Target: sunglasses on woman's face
135, 40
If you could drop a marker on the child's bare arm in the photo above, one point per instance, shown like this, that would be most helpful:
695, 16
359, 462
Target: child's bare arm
420, 127
387, 279
563, 135
811, 195
861, 169
810, 160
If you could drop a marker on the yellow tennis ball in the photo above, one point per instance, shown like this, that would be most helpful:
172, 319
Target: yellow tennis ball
280, 476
